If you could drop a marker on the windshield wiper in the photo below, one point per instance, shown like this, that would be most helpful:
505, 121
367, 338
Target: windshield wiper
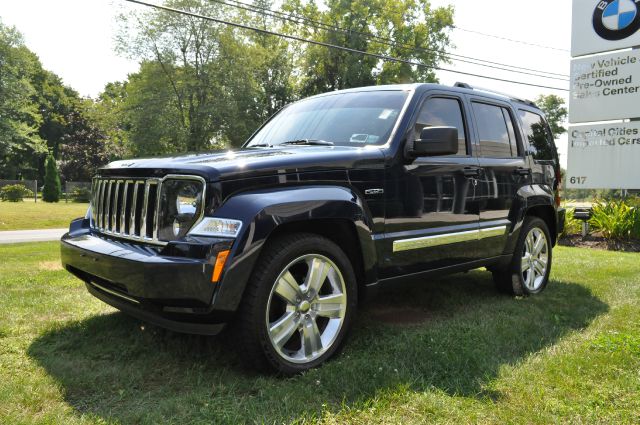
310, 142
260, 145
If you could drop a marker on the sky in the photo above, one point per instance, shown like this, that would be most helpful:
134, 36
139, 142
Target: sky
75, 39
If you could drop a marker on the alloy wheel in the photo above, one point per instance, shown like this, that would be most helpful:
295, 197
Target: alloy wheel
306, 308
535, 259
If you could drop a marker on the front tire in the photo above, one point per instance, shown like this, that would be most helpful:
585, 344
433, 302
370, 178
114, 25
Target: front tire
298, 305
528, 272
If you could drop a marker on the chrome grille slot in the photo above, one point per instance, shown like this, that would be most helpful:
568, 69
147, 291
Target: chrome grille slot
128, 207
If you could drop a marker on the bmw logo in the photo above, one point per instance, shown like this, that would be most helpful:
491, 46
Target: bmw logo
617, 19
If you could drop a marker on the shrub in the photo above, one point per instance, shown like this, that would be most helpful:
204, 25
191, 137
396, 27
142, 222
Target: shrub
572, 225
616, 220
14, 193
81, 194
52, 188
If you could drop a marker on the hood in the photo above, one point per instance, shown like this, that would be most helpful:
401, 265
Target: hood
226, 165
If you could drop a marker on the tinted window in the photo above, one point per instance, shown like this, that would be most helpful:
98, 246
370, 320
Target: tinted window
347, 119
541, 145
440, 111
497, 138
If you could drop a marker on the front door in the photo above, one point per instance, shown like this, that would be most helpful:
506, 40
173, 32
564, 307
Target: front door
432, 213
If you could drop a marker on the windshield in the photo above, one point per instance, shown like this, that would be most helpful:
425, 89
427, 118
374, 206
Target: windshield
343, 119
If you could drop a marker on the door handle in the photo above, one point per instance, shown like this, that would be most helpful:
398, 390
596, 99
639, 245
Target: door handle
522, 171
471, 172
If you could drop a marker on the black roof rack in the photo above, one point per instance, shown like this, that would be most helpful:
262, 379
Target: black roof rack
517, 99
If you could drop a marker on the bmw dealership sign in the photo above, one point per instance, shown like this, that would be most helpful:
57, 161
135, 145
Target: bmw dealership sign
602, 26
605, 87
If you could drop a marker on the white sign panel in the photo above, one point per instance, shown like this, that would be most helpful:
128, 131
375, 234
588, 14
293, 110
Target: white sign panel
605, 87
605, 156
604, 25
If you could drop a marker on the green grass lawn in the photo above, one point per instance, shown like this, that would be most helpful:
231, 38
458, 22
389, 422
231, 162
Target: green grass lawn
39, 215
450, 350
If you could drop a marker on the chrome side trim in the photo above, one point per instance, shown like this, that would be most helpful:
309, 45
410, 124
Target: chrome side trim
431, 241
446, 239
490, 232
117, 294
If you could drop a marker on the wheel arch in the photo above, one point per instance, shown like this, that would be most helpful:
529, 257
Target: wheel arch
335, 212
546, 213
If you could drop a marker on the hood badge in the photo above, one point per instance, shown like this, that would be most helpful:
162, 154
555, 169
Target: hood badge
374, 191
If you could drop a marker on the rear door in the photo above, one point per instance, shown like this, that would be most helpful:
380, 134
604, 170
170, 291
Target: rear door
504, 170
541, 149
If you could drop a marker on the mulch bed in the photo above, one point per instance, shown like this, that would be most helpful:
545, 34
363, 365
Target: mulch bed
598, 242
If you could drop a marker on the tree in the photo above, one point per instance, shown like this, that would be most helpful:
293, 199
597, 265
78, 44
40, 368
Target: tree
108, 113
19, 117
183, 54
555, 111
82, 149
52, 188
408, 29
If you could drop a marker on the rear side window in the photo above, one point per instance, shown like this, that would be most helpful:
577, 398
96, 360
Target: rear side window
541, 145
496, 131
443, 111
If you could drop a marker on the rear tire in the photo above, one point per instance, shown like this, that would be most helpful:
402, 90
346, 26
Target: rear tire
529, 269
298, 305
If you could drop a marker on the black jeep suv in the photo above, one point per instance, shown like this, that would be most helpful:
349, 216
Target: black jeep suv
333, 196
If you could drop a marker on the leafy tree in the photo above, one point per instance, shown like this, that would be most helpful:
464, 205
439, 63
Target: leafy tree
408, 29
183, 54
555, 111
109, 114
34, 105
19, 117
55, 103
83, 149
52, 188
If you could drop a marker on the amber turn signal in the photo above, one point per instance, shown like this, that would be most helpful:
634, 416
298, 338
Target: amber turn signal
219, 266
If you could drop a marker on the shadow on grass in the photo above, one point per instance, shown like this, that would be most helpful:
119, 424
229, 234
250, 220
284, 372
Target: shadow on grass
452, 334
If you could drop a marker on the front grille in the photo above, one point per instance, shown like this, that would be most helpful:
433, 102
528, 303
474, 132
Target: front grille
126, 208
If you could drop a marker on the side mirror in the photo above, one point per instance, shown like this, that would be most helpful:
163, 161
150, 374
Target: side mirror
436, 141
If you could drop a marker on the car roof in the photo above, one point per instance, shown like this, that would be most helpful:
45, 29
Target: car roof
422, 87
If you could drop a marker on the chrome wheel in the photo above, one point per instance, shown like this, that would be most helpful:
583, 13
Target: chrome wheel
535, 259
306, 308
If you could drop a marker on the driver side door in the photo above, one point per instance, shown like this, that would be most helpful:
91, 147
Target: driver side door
433, 215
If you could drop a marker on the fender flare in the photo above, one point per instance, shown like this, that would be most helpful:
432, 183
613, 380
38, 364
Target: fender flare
263, 211
528, 197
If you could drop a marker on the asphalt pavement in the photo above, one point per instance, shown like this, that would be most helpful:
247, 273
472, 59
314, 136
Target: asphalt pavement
16, 236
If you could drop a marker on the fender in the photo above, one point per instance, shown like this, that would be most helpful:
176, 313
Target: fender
262, 211
528, 197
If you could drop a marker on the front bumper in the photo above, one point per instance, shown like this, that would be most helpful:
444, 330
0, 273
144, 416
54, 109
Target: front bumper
174, 292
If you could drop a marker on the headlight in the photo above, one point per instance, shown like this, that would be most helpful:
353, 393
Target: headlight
180, 208
212, 226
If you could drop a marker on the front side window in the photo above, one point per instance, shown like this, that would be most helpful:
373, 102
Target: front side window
496, 131
343, 119
541, 145
443, 111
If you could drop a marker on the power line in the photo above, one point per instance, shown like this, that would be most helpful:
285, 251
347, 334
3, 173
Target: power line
333, 46
510, 39
389, 42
